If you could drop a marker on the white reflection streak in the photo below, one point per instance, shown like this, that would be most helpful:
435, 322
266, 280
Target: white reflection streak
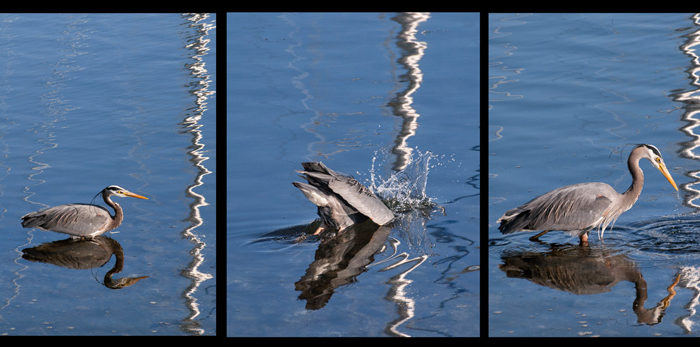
201, 92
412, 52
689, 278
56, 109
405, 304
505, 77
9, 58
298, 83
691, 100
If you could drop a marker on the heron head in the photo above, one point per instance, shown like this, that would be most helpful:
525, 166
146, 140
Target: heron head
121, 192
652, 153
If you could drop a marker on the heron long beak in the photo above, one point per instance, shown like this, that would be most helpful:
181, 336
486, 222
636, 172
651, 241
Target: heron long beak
666, 174
127, 193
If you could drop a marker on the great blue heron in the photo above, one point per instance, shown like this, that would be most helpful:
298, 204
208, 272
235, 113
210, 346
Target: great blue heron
81, 220
581, 207
342, 201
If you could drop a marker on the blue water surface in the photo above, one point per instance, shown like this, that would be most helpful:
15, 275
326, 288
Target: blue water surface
90, 100
570, 95
391, 99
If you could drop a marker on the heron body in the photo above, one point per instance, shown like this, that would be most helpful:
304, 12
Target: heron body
81, 220
342, 201
578, 208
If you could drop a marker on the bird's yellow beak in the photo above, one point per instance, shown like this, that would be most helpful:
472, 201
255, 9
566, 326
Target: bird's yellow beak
666, 174
127, 193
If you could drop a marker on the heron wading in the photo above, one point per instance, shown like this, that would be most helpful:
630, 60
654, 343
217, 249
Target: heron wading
81, 220
578, 208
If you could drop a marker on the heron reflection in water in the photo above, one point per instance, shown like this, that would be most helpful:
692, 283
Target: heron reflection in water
83, 253
81, 220
342, 201
586, 271
581, 207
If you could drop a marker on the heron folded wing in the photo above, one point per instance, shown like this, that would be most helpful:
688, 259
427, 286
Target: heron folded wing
73, 219
332, 209
574, 207
314, 166
362, 199
349, 189
315, 195
514, 220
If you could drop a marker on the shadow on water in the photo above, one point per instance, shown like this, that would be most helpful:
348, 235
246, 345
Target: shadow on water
585, 270
84, 254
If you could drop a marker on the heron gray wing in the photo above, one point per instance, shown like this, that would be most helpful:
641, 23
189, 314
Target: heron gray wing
315, 195
575, 207
348, 189
357, 195
362, 199
334, 212
72, 219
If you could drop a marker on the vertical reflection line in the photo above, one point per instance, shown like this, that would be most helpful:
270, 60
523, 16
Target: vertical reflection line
197, 44
690, 279
70, 42
405, 304
298, 83
691, 105
412, 51
9, 58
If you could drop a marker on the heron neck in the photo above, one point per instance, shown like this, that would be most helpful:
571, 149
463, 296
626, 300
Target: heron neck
632, 193
118, 213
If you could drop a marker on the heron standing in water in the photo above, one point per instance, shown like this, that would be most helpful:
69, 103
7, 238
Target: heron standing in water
342, 201
81, 220
581, 207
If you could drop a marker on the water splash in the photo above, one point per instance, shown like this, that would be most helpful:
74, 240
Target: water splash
405, 193
403, 190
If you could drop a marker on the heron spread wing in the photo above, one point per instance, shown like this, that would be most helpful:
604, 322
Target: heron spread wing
575, 207
73, 219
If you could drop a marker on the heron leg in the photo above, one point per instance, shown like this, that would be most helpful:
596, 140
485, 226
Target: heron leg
320, 229
583, 239
536, 237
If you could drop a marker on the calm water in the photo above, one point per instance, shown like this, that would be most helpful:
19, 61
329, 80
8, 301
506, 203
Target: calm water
390, 99
99, 99
569, 96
